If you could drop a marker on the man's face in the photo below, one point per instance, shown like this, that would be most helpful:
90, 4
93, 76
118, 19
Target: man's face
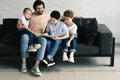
39, 9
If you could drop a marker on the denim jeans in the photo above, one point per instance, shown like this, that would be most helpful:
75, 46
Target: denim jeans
32, 38
72, 47
24, 47
52, 47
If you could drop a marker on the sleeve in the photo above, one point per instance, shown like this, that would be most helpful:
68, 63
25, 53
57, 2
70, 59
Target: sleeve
24, 21
74, 30
65, 29
47, 27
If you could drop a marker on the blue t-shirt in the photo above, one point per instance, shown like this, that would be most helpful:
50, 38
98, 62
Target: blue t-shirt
59, 27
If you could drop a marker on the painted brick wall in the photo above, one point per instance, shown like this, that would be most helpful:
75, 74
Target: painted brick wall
106, 11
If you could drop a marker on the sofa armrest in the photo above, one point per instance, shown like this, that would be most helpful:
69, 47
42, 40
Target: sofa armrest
105, 40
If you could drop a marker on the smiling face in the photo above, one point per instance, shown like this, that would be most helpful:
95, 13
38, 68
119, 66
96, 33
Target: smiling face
40, 9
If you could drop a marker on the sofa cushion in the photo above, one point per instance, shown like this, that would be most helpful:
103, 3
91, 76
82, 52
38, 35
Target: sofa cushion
87, 31
10, 37
90, 28
9, 50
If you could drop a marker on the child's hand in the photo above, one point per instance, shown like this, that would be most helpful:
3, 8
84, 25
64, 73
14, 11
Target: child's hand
56, 38
20, 26
68, 44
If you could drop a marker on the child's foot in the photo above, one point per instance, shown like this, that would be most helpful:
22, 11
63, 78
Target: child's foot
71, 59
51, 63
37, 46
65, 58
32, 49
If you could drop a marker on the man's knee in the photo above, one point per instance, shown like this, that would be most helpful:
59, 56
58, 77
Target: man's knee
42, 40
24, 37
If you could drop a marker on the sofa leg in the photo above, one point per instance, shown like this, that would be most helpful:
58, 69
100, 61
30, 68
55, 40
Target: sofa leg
112, 56
112, 61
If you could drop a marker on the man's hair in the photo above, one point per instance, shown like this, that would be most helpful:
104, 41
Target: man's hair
26, 9
55, 14
68, 13
38, 2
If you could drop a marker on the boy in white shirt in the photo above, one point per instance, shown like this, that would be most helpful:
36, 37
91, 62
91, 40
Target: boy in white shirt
70, 43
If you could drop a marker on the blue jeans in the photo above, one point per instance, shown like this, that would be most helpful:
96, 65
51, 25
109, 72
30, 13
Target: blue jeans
52, 47
72, 47
32, 38
24, 47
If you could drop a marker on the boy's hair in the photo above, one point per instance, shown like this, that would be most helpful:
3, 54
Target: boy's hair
69, 13
26, 9
55, 14
38, 2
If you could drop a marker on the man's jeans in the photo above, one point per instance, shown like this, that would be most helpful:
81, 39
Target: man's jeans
24, 47
52, 47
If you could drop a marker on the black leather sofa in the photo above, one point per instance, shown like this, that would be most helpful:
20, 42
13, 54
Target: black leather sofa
94, 40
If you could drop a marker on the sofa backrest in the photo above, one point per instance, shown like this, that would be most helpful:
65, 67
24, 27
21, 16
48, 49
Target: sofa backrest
10, 23
10, 33
87, 30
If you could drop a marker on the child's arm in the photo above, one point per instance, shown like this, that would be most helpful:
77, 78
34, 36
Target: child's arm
71, 38
63, 37
46, 33
22, 23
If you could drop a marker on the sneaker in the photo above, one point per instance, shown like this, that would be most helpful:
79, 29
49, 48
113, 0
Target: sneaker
36, 71
32, 49
23, 70
37, 46
51, 63
71, 59
46, 61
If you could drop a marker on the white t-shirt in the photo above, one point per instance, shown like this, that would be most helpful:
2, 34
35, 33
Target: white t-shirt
26, 21
73, 29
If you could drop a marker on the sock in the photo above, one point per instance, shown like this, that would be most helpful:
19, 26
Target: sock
65, 54
72, 54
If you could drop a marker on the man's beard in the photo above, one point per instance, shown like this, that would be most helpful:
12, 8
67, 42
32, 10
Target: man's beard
40, 12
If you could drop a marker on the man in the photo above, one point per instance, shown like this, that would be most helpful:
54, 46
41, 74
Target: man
37, 26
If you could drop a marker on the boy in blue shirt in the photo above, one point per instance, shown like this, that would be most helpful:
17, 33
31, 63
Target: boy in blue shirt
54, 26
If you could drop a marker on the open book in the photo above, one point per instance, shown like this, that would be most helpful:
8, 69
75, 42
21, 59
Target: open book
59, 34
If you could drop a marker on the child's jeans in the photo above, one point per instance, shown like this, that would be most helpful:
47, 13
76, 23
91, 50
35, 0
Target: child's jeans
32, 38
72, 47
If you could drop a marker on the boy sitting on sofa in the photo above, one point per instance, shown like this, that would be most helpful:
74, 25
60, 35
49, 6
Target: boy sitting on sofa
53, 26
69, 44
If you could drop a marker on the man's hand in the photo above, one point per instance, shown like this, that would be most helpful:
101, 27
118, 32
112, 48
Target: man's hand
20, 26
